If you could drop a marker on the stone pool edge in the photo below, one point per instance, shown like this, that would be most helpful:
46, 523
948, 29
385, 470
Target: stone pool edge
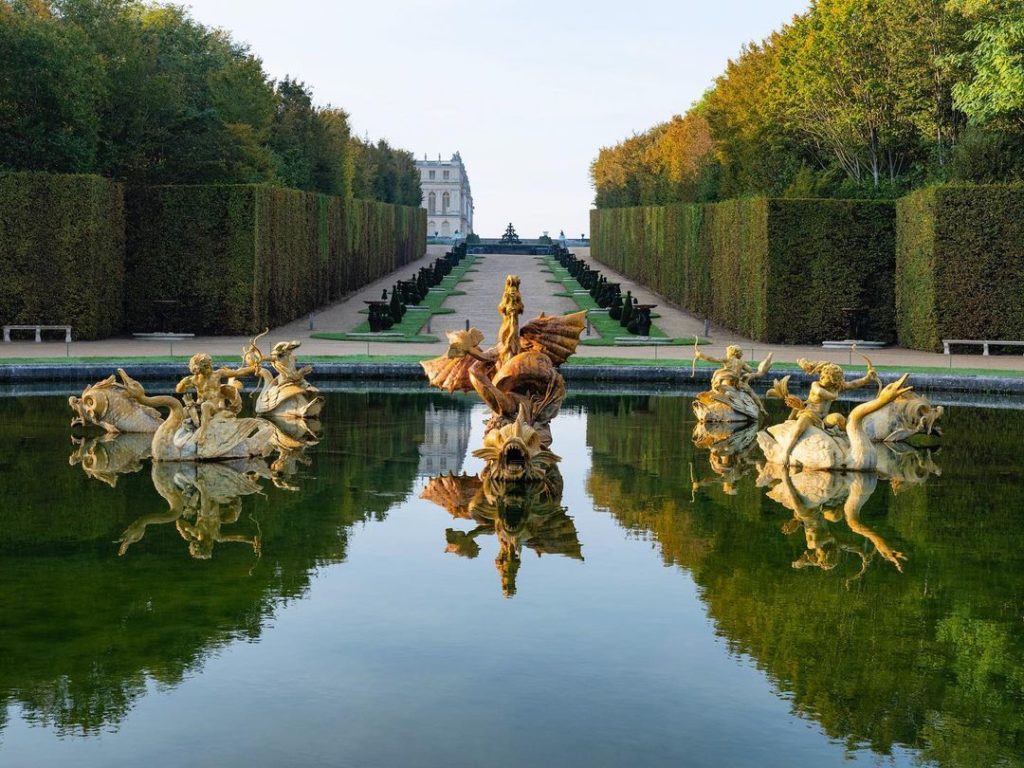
625, 374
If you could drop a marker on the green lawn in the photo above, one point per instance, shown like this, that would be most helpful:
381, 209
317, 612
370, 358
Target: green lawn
606, 327
382, 337
780, 369
414, 319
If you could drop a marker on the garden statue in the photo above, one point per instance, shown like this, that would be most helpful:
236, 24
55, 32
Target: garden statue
205, 424
287, 395
813, 440
290, 402
514, 452
216, 390
908, 414
518, 377
107, 404
527, 513
731, 398
206, 429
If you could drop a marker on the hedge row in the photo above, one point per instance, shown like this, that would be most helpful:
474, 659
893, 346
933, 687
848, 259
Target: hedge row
960, 265
62, 252
237, 259
774, 270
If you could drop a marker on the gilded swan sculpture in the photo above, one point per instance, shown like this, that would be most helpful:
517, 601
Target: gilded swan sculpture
221, 436
795, 443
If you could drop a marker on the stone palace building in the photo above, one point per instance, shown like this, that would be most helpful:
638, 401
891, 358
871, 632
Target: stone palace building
446, 196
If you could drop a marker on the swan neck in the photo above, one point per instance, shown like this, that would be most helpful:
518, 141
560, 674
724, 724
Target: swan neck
862, 450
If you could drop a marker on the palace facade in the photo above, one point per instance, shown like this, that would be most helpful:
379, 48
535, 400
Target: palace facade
446, 196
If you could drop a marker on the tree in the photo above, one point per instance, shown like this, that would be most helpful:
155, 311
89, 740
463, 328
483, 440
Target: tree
50, 85
994, 90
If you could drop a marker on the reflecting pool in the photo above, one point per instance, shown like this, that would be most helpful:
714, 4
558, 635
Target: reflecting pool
658, 603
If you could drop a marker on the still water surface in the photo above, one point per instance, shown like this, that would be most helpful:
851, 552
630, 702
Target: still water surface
658, 620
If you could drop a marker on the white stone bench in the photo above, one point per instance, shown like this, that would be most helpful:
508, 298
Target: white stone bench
637, 341
38, 329
983, 342
163, 336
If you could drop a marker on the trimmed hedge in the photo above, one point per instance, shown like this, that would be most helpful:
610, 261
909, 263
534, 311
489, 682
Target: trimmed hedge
235, 259
775, 270
62, 252
960, 265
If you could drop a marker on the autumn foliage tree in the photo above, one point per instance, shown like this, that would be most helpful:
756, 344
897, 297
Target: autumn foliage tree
854, 98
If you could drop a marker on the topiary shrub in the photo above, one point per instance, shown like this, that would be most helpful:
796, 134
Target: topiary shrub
235, 259
828, 260
960, 264
62, 252
775, 270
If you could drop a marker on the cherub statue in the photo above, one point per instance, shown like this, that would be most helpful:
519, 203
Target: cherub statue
814, 411
731, 398
212, 393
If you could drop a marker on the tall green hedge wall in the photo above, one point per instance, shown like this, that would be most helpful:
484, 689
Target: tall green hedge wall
776, 270
238, 259
62, 252
960, 265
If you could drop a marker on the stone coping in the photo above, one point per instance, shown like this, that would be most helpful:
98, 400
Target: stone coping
86, 373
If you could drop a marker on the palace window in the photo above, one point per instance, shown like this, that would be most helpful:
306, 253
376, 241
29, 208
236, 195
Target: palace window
432, 174
432, 202
445, 175
446, 202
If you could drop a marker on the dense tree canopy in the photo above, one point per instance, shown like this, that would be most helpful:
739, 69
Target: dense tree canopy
381, 172
854, 98
142, 93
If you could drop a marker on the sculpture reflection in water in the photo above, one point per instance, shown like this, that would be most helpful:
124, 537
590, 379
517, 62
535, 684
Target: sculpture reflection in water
732, 454
524, 513
107, 457
821, 500
206, 457
202, 497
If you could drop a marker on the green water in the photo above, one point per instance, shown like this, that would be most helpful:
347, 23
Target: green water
347, 621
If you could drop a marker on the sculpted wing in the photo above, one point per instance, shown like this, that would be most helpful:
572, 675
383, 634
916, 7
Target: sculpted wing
557, 336
453, 492
450, 371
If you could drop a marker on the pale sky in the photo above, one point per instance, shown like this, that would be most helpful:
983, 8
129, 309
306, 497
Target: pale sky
526, 90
